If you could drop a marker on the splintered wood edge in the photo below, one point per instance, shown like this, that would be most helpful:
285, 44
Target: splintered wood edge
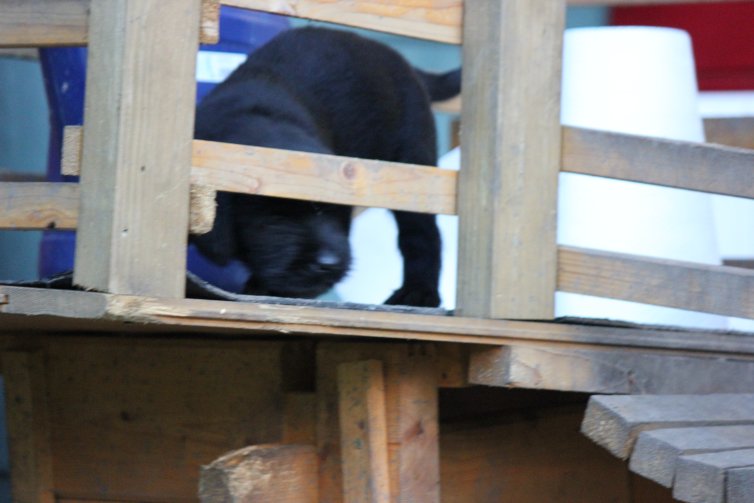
203, 208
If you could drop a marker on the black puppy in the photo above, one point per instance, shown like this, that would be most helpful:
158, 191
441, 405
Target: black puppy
332, 92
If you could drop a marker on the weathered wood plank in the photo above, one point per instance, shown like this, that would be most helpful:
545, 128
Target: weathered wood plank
40, 23
507, 188
235, 168
39, 308
30, 23
28, 423
740, 487
413, 427
43, 22
38, 205
438, 20
702, 478
608, 371
74, 310
55, 205
735, 132
285, 473
694, 166
318, 177
614, 422
657, 451
134, 211
411, 404
144, 413
684, 285
363, 432
312, 177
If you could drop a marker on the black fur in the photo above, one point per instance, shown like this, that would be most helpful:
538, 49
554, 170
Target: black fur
325, 91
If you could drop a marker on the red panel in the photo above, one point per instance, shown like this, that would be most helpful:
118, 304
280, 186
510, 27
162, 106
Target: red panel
723, 36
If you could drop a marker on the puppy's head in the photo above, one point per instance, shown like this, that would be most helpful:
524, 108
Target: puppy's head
294, 248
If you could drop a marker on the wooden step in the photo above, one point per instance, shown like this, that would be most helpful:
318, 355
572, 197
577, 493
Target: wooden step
702, 445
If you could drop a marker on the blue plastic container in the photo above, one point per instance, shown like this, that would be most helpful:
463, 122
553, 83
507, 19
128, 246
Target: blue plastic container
64, 71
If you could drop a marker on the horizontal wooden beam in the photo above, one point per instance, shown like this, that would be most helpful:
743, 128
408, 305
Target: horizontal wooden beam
327, 178
731, 131
438, 20
712, 289
38, 205
301, 175
608, 370
53, 205
685, 165
32, 308
43, 23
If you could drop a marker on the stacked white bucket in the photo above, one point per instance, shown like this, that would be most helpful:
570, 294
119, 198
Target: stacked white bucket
633, 80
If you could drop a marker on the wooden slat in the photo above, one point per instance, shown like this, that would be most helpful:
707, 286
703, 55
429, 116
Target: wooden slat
38, 205
412, 428
507, 188
656, 452
363, 432
712, 289
284, 473
30, 23
43, 22
28, 422
312, 177
136, 158
608, 371
438, 20
685, 165
740, 487
40, 23
55, 205
614, 422
335, 179
702, 478
33, 308
735, 132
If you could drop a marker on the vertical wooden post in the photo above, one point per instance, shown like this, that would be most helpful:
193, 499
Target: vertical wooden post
511, 157
410, 378
138, 121
28, 427
363, 432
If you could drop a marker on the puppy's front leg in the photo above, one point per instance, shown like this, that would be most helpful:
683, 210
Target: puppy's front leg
419, 242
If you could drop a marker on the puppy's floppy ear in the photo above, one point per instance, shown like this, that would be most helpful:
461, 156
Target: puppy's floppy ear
220, 244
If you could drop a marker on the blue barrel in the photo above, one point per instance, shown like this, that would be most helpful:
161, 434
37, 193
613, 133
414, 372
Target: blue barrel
64, 70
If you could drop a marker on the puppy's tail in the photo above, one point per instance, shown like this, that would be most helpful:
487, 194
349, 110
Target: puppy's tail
441, 86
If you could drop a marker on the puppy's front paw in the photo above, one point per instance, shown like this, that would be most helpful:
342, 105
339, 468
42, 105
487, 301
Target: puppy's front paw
413, 295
